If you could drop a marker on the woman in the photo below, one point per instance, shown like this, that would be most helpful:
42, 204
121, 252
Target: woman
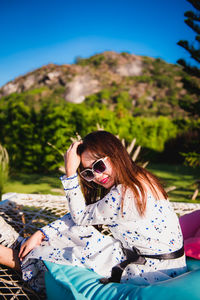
147, 243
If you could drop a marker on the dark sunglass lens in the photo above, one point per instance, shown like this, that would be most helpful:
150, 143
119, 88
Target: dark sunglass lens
88, 175
99, 166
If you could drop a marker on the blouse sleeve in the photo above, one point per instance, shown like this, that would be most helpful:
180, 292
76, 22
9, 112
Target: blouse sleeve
105, 211
56, 227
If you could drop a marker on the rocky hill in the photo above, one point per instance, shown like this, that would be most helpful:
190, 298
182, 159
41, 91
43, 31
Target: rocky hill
141, 84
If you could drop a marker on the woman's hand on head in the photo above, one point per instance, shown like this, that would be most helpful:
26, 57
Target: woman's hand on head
32, 242
72, 159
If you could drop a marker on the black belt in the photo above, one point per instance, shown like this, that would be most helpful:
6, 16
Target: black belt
134, 256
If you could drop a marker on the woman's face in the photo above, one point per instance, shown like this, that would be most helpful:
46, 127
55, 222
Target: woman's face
105, 179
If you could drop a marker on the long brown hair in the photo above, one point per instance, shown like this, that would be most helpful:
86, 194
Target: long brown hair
128, 173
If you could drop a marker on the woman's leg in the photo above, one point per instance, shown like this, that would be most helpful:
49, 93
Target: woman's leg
9, 258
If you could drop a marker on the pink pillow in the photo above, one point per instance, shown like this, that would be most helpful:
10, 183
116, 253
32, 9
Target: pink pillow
190, 225
192, 247
197, 234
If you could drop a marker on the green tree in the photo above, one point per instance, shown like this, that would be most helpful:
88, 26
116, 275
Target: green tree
192, 159
55, 125
193, 48
17, 130
192, 85
26, 133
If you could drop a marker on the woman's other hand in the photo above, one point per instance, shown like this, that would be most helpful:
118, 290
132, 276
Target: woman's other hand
72, 159
32, 242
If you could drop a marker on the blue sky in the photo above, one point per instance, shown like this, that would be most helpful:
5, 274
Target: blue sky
37, 32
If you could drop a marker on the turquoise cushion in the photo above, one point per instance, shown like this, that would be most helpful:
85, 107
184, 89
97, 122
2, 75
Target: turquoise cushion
68, 282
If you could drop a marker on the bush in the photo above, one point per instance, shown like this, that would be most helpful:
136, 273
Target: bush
153, 133
28, 131
184, 142
4, 166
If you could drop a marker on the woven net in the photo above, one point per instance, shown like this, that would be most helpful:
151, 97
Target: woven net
28, 212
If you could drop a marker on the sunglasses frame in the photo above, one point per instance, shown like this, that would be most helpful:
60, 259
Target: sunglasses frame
92, 169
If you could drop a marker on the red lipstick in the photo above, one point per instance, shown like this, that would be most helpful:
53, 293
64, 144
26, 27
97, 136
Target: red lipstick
104, 180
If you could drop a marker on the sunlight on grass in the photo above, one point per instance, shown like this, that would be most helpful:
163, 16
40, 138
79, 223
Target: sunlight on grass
180, 176
34, 184
170, 175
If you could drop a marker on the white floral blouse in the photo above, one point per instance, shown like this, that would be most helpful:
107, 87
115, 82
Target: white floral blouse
72, 240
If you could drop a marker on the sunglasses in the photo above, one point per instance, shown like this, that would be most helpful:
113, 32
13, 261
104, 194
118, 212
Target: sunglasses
98, 167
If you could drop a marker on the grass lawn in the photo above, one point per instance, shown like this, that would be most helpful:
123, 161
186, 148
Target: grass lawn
171, 175
182, 177
34, 184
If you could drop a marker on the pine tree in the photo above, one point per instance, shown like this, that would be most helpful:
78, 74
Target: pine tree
193, 21
192, 84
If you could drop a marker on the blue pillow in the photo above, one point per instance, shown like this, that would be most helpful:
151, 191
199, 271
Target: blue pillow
76, 283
